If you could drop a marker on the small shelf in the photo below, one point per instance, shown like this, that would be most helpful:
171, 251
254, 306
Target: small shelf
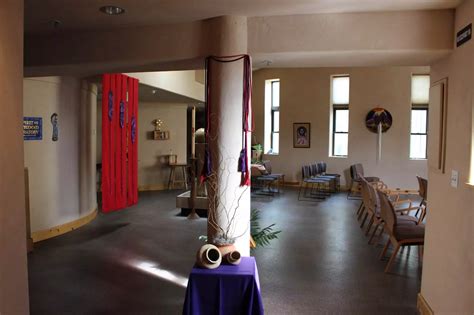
161, 135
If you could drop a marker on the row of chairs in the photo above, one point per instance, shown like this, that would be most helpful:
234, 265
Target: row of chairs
316, 183
388, 212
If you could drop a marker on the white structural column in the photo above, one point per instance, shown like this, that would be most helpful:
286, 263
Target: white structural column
13, 269
229, 203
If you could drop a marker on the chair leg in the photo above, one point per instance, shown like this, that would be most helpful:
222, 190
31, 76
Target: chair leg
379, 236
361, 213
369, 225
382, 254
392, 258
373, 233
360, 208
365, 218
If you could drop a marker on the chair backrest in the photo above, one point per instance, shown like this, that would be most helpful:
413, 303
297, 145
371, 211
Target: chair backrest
314, 170
366, 195
268, 167
322, 167
387, 213
374, 197
357, 169
306, 171
423, 187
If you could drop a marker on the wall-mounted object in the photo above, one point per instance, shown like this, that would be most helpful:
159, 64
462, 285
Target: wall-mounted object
32, 128
161, 135
158, 123
301, 135
437, 121
378, 120
378, 116
54, 122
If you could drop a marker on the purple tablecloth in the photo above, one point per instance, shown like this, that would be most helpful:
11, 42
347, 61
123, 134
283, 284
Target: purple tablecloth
225, 290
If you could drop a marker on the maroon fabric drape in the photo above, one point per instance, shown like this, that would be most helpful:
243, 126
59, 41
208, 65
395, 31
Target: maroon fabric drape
119, 141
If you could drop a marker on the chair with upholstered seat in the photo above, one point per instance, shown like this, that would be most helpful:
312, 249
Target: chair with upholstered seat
311, 187
356, 171
373, 207
279, 176
423, 191
398, 234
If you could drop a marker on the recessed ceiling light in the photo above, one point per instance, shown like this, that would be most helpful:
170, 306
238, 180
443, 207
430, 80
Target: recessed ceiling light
112, 10
154, 91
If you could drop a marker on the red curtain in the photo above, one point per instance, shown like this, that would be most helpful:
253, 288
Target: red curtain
119, 141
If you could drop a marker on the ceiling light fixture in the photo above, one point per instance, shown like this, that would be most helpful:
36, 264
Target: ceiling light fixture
112, 10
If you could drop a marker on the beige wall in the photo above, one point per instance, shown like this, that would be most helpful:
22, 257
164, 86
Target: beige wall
13, 268
448, 275
305, 97
153, 170
60, 172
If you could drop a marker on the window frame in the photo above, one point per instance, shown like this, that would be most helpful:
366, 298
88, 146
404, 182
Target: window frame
420, 107
274, 109
335, 108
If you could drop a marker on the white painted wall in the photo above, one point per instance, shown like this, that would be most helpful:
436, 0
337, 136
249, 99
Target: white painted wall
305, 97
56, 169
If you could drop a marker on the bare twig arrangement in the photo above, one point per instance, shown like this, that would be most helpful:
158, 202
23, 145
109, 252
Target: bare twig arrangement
221, 208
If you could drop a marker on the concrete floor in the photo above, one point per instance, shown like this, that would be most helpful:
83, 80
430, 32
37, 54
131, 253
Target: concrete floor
320, 264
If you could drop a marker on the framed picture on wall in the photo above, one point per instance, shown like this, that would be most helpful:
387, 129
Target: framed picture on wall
301, 135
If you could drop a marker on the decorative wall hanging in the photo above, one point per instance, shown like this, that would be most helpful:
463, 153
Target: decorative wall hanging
158, 133
54, 122
119, 145
301, 135
32, 128
378, 120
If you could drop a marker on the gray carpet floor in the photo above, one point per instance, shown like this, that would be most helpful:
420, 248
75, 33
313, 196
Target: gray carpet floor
320, 264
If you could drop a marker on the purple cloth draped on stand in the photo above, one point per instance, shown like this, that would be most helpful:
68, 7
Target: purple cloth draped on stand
226, 290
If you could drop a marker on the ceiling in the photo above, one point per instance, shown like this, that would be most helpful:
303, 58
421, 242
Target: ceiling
85, 15
151, 94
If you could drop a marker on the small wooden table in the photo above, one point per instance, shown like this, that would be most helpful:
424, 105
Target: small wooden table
176, 167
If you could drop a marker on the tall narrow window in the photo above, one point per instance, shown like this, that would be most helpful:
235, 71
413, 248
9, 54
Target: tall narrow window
340, 115
272, 116
420, 91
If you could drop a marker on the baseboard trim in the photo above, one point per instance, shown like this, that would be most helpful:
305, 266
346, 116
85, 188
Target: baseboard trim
423, 306
153, 187
63, 228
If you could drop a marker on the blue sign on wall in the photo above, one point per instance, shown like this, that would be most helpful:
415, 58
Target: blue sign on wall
32, 128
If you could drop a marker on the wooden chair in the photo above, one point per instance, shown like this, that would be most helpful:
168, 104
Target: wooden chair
423, 191
373, 208
398, 235
357, 170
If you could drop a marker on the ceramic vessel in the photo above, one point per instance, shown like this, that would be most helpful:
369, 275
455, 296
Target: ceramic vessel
225, 249
208, 256
233, 258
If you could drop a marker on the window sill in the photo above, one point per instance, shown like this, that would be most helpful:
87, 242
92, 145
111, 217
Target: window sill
339, 156
273, 154
412, 159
